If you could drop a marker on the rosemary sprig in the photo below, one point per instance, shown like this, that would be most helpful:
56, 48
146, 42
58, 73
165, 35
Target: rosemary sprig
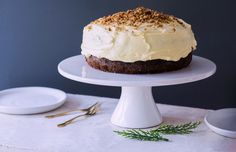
141, 135
156, 134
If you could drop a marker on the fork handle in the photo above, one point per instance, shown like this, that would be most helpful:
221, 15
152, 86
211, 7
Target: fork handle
57, 115
62, 114
71, 120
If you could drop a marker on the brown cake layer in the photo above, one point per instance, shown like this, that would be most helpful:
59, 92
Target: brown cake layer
138, 67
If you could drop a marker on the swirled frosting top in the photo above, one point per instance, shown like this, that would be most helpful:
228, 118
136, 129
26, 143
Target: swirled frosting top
140, 34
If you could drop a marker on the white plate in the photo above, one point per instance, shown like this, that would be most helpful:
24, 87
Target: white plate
222, 121
30, 100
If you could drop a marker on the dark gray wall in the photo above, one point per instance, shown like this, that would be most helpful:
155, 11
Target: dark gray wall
35, 35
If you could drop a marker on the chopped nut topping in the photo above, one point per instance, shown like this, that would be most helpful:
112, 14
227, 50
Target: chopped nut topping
89, 27
136, 17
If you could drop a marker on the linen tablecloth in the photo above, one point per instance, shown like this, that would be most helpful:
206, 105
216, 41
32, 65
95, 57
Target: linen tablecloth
34, 133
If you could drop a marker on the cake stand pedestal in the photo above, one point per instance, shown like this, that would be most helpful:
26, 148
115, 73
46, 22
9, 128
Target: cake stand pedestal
136, 107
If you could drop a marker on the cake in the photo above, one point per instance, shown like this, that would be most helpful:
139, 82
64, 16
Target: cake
138, 41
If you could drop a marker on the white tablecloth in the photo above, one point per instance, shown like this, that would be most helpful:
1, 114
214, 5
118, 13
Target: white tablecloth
34, 133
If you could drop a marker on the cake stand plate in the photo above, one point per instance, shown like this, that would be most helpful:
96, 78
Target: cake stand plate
136, 107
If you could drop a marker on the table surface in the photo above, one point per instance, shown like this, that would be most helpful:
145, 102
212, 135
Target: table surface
34, 133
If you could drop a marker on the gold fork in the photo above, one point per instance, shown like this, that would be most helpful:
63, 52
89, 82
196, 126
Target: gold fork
70, 112
92, 111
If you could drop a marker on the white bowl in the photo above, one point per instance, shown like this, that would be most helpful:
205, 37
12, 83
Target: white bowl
222, 121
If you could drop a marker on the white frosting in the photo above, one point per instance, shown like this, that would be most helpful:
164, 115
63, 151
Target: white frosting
129, 44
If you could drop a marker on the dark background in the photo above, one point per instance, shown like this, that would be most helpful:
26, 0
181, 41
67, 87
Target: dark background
35, 35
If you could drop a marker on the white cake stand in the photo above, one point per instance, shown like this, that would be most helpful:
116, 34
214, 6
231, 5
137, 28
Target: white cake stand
136, 107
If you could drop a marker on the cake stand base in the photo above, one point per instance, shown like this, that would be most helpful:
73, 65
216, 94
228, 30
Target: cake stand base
136, 109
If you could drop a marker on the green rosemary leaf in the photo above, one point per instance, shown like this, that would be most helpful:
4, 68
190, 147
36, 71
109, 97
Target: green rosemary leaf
141, 135
177, 129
